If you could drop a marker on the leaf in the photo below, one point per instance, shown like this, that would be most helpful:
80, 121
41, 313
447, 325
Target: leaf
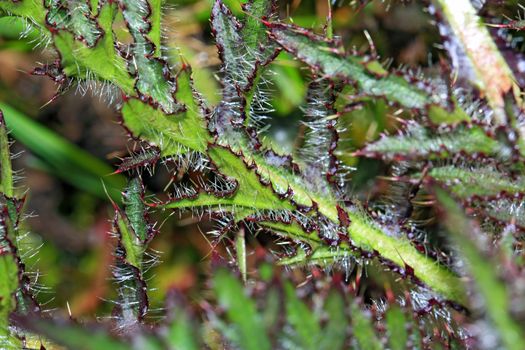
136, 209
245, 51
253, 31
306, 330
133, 247
335, 332
241, 312
489, 285
250, 194
420, 143
477, 181
153, 80
321, 55
509, 211
283, 179
33, 10
75, 18
396, 324
181, 334
226, 30
6, 172
133, 237
15, 293
173, 133
9, 263
203, 76
74, 336
155, 32
241, 45
101, 61
8, 288
363, 330
18, 35
367, 235
322, 256
294, 231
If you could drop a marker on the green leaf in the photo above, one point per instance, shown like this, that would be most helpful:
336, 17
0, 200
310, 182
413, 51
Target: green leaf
369, 236
363, 330
11, 265
155, 32
282, 179
18, 34
334, 334
77, 20
489, 285
259, 49
241, 312
173, 133
253, 31
33, 10
130, 242
135, 208
101, 62
465, 183
8, 288
77, 336
396, 324
322, 255
243, 48
321, 55
9, 215
203, 77
142, 19
250, 195
133, 238
228, 39
181, 333
439, 115
421, 143
294, 231
306, 332
6, 172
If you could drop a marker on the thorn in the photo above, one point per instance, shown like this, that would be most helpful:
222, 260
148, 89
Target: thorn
69, 310
371, 43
